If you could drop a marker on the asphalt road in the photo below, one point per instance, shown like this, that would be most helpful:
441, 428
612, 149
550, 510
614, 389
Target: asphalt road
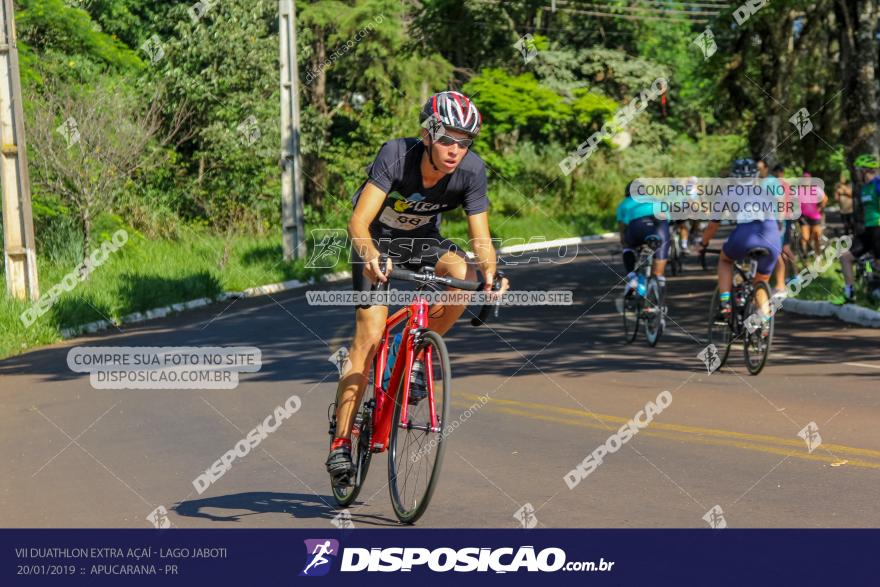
560, 380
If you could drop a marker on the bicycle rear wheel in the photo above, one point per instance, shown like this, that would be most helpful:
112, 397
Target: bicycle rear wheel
720, 332
653, 312
415, 454
361, 454
756, 345
631, 310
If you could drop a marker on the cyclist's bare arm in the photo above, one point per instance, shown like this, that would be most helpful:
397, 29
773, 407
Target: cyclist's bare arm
622, 228
710, 231
484, 251
367, 208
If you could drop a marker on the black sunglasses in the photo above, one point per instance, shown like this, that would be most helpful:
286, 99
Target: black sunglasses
447, 141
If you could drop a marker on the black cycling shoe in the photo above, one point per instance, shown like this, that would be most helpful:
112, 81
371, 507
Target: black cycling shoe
725, 309
339, 465
418, 388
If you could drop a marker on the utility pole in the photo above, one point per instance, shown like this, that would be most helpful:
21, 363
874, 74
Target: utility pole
19, 251
292, 226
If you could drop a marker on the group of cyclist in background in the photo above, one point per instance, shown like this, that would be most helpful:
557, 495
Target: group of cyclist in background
777, 246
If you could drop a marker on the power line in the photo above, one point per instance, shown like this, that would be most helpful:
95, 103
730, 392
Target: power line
619, 16
702, 4
633, 16
645, 10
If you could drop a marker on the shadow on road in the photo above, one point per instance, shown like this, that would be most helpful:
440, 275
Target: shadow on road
297, 340
302, 506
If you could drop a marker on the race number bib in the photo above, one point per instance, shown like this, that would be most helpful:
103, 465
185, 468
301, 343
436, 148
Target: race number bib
393, 219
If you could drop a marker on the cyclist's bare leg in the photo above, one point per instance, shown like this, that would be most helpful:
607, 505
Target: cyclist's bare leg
847, 260
779, 273
761, 294
658, 267
815, 238
443, 317
805, 238
725, 273
368, 330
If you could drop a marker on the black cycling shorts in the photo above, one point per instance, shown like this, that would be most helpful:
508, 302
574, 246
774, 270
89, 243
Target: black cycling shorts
639, 229
867, 241
405, 251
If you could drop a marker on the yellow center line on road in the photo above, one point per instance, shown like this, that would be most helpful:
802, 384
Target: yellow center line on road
796, 448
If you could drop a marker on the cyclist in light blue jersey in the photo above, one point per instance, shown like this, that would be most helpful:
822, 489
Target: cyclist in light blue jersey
636, 221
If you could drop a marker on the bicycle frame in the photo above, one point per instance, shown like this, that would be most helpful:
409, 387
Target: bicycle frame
646, 265
417, 314
747, 287
646, 259
748, 275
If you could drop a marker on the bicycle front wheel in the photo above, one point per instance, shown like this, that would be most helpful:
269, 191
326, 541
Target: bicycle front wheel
416, 448
756, 346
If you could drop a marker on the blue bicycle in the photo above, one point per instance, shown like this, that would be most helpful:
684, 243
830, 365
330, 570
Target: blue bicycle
644, 303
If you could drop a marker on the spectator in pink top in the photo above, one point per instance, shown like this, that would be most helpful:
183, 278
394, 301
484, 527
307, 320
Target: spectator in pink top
811, 222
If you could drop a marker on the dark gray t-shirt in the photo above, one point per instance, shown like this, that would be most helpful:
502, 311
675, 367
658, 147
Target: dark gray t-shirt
410, 207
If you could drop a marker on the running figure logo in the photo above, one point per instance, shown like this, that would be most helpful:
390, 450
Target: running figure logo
810, 434
706, 42
715, 518
527, 47
801, 121
329, 248
526, 516
341, 360
319, 554
159, 518
709, 356
434, 126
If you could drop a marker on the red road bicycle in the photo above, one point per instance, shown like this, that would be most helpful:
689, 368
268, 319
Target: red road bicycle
413, 434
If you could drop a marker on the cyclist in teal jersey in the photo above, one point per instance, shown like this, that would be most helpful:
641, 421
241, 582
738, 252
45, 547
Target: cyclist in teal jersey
636, 222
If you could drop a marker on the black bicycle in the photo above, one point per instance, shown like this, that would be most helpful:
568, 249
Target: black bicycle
798, 257
867, 275
676, 252
746, 320
645, 305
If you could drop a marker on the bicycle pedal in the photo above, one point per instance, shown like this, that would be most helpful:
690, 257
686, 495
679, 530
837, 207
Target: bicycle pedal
346, 480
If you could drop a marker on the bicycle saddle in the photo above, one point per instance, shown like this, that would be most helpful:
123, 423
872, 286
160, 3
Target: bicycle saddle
757, 252
652, 241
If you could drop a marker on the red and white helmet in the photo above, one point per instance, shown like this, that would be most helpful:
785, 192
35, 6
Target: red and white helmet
454, 110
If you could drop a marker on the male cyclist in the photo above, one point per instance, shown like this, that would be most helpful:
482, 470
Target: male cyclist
636, 222
869, 238
746, 235
397, 212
